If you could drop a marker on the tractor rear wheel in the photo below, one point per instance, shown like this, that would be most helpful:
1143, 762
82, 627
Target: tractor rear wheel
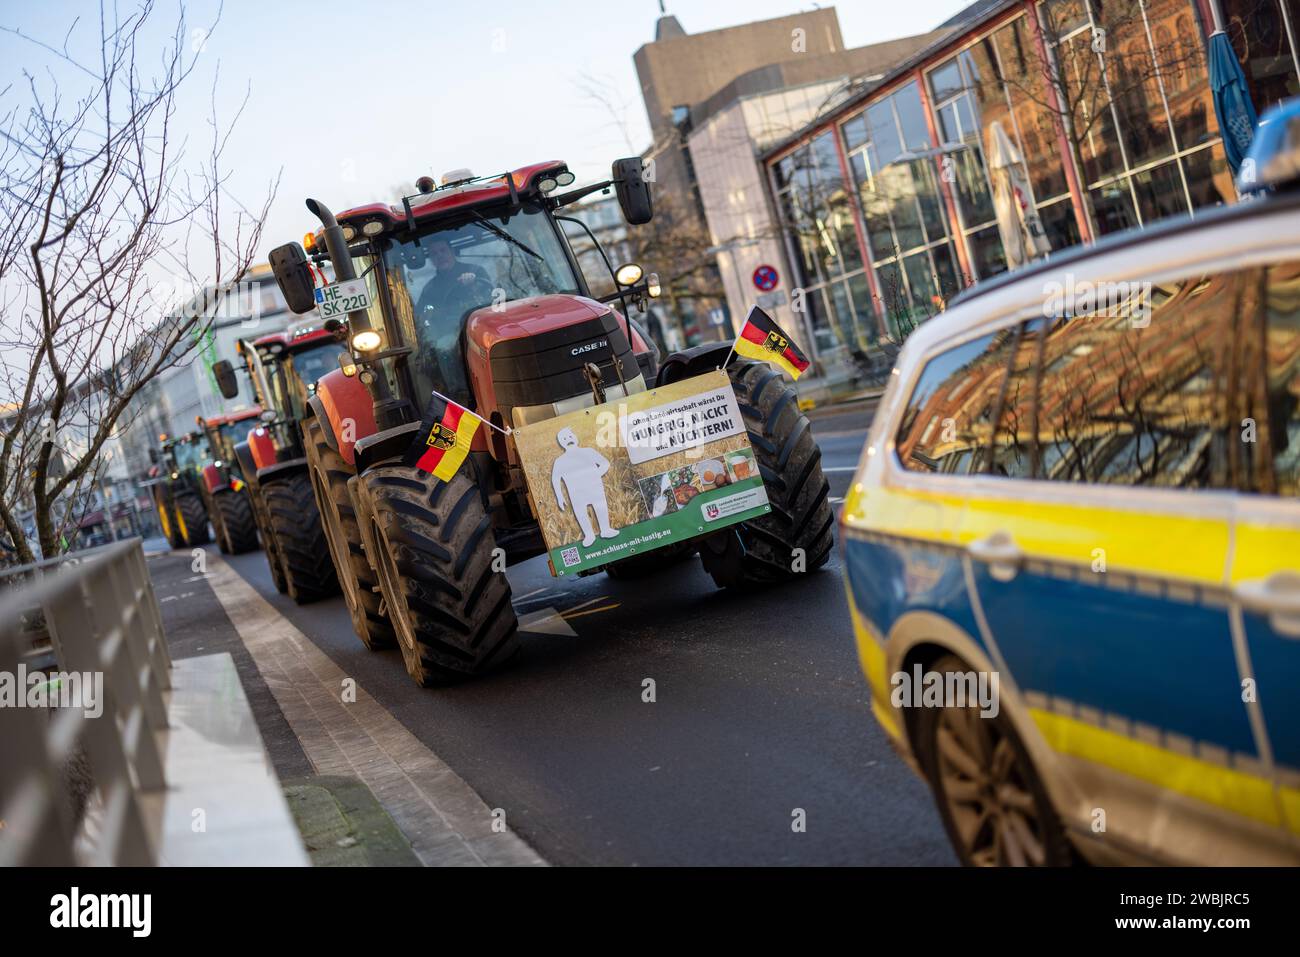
329, 478
796, 536
191, 520
237, 526
299, 539
434, 552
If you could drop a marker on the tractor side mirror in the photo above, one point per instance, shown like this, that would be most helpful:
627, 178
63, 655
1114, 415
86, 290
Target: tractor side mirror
225, 375
633, 191
293, 276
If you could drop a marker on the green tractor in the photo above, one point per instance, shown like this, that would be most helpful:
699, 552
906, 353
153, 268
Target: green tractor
174, 486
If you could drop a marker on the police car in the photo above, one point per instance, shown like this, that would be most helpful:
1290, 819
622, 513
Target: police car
1073, 544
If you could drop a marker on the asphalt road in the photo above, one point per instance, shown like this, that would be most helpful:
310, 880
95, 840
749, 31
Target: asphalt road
760, 710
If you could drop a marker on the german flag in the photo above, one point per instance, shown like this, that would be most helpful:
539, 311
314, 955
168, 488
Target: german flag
764, 340
446, 432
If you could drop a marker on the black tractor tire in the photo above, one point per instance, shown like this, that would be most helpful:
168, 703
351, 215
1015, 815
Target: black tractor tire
766, 550
171, 531
450, 608
218, 530
299, 539
268, 539
192, 520
237, 525
329, 477
651, 563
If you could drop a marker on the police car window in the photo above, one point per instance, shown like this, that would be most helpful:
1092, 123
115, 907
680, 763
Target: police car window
950, 414
1131, 388
1267, 357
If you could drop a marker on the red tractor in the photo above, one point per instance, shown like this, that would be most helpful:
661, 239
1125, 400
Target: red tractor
471, 290
284, 367
220, 481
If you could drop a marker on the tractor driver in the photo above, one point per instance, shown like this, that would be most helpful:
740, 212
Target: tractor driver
452, 290
456, 288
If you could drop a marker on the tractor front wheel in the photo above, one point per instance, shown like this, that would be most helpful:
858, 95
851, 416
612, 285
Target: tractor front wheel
237, 528
299, 539
448, 602
796, 536
329, 477
263, 521
169, 528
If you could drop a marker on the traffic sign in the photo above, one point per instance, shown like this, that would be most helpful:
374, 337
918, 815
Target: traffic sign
766, 278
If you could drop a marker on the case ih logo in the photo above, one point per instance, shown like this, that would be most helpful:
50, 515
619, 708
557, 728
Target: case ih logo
441, 437
589, 347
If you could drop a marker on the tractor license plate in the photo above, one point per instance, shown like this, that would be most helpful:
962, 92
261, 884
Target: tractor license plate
337, 300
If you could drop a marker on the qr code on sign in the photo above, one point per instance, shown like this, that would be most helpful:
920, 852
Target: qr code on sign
570, 557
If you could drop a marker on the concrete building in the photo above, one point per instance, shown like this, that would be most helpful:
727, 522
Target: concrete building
678, 72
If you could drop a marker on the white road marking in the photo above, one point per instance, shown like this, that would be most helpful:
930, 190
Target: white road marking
546, 621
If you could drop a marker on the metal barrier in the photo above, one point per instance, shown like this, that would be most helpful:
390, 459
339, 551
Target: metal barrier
102, 618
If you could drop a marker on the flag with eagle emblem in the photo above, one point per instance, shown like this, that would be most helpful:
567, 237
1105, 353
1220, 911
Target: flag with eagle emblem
445, 435
764, 340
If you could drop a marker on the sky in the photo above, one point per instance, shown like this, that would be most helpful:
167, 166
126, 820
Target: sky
347, 101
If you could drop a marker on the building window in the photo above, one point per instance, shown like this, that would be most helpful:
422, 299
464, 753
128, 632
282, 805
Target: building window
818, 217
907, 230
1136, 85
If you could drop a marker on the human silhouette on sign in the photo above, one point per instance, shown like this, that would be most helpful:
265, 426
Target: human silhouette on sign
580, 472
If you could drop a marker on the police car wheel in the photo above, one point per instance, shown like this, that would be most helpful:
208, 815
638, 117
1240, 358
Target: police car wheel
449, 605
993, 804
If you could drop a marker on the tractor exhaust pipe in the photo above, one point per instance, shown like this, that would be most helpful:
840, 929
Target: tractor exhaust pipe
389, 411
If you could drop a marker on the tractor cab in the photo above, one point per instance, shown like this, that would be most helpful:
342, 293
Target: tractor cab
187, 454
284, 368
473, 290
224, 432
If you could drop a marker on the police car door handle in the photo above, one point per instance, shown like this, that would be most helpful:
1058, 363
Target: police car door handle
1000, 552
1277, 596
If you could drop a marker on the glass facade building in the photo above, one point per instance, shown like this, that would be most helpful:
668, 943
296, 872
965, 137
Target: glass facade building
1057, 120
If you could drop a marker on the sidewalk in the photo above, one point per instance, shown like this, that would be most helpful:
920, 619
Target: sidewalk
362, 790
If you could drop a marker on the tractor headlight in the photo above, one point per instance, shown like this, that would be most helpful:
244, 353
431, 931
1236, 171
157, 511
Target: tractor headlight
628, 274
367, 340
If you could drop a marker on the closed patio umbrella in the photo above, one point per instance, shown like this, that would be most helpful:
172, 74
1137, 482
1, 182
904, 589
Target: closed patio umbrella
1232, 103
1019, 225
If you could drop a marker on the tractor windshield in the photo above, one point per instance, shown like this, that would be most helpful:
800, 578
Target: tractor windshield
189, 455
437, 279
310, 364
232, 433
296, 379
